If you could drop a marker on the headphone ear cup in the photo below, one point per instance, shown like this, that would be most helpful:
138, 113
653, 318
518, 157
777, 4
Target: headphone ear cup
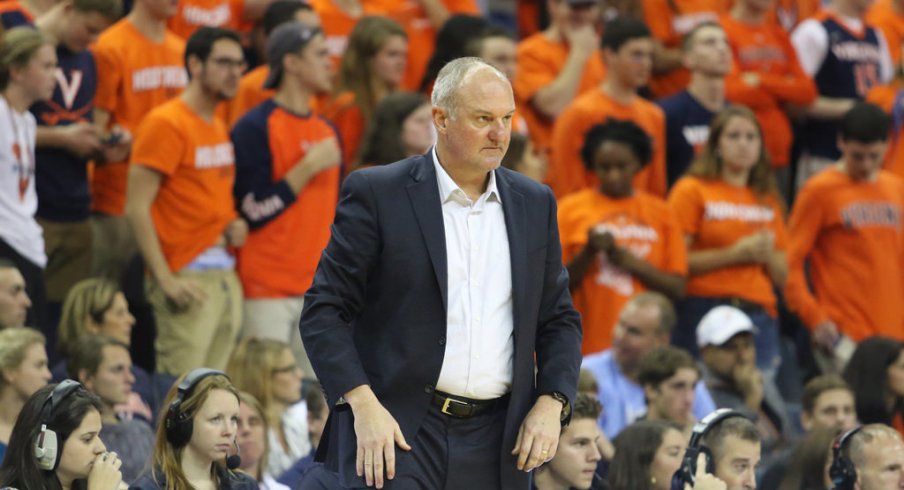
178, 427
843, 473
47, 450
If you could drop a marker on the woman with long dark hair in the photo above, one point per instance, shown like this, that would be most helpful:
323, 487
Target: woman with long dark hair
55, 444
876, 375
647, 454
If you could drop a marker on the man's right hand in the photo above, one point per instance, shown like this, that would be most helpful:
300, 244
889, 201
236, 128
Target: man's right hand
582, 40
755, 248
749, 381
377, 433
182, 292
82, 139
825, 336
704, 480
324, 154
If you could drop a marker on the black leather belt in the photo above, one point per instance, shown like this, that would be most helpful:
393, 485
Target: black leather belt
462, 408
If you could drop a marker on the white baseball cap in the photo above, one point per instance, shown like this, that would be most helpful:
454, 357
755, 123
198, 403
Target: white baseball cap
722, 323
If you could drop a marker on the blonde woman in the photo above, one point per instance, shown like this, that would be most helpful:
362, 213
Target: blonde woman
266, 369
23, 371
197, 436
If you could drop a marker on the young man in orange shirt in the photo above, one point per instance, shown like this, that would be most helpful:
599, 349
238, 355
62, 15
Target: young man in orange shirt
628, 52
287, 186
181, 208
888, 16
846, 223
139, 66
557, 65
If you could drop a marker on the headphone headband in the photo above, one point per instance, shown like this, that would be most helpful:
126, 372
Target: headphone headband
842, 471
686, 474
47, 446
178, 424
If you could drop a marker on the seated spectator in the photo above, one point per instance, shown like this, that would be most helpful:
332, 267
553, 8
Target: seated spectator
731, 213
498, 47
451, 43
808, 464
252, 441
647, 454
103, 365
401, 127
828, 403
644, 324
523, 158
669, 377
734, 446
266, 369
197, 436
847, 240
76, 457
14, 301
98, 307
876, 454
315, 402
617, 240
23, 371
876, 375
371, 68
725, 339
576, 457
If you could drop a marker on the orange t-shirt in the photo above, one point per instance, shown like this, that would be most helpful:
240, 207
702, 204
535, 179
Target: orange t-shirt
788, 13
337, 24
567, 172
194, 204
669, 26
134, 75
540, 60
193, 14
643, 224
270, 141
345, 114
716, 215
883, 15
884, 96
851, 232
421, 34
766, 49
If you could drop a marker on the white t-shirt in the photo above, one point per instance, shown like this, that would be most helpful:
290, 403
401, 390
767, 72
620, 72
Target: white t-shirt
18, 197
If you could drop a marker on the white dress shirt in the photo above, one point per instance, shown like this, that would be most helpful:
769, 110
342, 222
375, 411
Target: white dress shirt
479, 342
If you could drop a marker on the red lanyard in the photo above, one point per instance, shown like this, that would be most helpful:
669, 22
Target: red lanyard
25, 160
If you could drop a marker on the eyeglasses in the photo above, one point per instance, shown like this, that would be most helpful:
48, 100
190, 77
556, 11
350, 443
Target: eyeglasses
229, 63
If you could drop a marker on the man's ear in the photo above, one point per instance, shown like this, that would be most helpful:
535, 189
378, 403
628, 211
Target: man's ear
805, 421
85, 379
439, 119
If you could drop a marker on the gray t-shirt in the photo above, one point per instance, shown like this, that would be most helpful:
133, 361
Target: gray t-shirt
133, 441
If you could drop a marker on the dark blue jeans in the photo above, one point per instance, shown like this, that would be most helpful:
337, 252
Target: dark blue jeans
691, 310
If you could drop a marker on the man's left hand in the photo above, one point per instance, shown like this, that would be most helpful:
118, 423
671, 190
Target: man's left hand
538, 437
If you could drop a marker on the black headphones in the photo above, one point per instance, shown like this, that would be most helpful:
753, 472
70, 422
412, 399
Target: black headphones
179, 423
843, 472
47, 447
686, 474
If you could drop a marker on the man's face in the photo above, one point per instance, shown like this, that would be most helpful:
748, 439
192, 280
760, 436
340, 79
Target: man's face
632, 63
673, 399
567, 17
14, 302
500, 52
724, 359
312, 66
882, 464
222, 70
477, 135
577, 455
833, 409
113, 380
636, 333
737, 464
862, 161
709, 52
82, 29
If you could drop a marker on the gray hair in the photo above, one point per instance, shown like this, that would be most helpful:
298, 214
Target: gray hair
452, 76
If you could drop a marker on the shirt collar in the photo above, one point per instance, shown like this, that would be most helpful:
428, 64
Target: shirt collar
448, 189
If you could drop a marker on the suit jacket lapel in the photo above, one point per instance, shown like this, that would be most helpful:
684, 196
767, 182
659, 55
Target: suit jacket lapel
425, 200
513, 207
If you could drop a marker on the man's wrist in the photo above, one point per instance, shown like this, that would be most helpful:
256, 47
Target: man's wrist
563, 400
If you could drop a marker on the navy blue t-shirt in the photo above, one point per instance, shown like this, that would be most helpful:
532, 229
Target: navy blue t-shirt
686, 131
61, 177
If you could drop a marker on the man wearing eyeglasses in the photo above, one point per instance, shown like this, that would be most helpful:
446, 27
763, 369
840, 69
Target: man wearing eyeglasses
181, 209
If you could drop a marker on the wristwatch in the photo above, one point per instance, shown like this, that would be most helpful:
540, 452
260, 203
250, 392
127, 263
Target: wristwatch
566, 407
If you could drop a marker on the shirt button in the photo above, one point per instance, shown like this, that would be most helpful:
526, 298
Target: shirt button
428, 389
